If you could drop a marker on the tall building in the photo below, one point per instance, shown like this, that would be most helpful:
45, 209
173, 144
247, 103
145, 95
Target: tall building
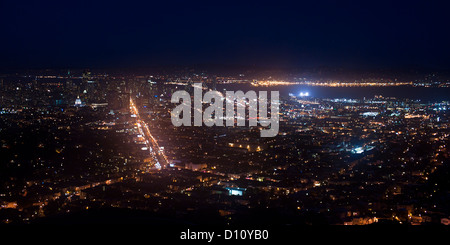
214, 83
85, 77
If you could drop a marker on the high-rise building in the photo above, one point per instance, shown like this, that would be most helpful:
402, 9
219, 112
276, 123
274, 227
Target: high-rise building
214, 83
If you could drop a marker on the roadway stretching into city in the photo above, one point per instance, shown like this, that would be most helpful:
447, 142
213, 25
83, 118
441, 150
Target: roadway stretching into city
154, 148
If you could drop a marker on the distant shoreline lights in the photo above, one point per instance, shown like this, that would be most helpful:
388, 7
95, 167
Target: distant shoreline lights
268, 83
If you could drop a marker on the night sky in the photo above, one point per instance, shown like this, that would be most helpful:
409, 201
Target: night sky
41, 34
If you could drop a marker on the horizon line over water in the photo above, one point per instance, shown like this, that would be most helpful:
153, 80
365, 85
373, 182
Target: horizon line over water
425, 94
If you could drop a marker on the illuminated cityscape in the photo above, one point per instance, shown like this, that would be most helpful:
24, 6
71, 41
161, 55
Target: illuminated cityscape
253, 118
106, 141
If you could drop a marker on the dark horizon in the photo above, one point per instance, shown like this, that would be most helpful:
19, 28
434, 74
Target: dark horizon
350, 35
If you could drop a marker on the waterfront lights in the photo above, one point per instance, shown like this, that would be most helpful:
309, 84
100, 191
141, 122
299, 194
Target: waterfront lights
304, 94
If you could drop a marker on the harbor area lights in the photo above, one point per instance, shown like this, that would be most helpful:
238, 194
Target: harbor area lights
304, 94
